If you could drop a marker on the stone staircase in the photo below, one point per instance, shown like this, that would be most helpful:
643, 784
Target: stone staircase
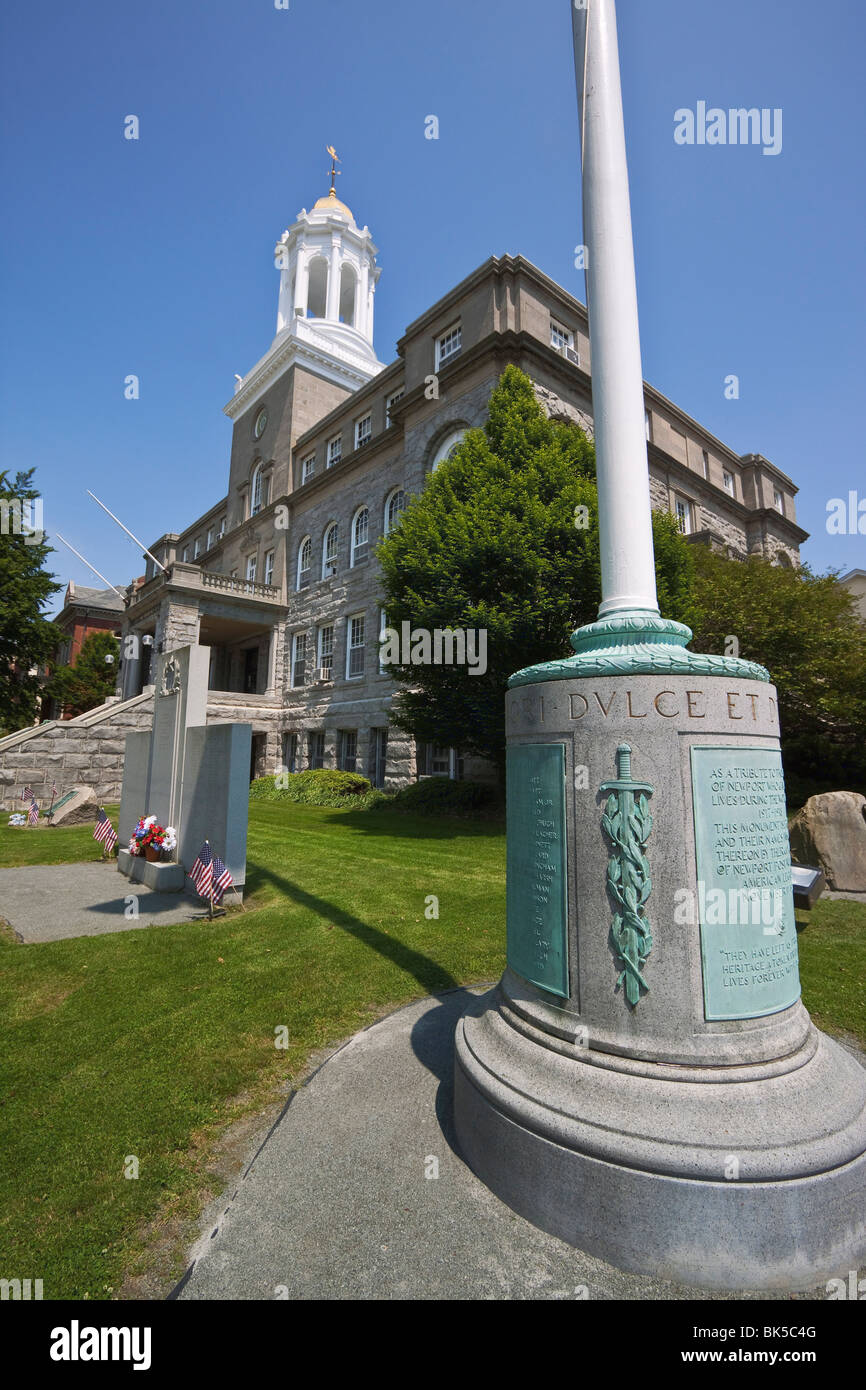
88, 749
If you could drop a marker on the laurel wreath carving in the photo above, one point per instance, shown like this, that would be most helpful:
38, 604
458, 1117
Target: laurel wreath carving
629, 882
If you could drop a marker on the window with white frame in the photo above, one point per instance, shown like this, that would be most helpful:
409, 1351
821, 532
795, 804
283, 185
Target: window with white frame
778, 501
305, 560
348, 750
730, 485
683, 513
561, 337
209, 538
256, 503
196, 548
383, 625
326, 648
360, 536
269, 567
448, 345
335, 450
437, 760
252, 565
390, 403
185, 555
648, 424
308, 468
299, 659
355, 647
447, 448
395, 505
363, 431
329, 550
222, 529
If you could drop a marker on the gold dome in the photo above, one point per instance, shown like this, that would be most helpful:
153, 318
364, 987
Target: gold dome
331, 203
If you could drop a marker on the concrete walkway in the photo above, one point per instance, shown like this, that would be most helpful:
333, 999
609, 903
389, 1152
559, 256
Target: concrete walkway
340, 1201
52, 902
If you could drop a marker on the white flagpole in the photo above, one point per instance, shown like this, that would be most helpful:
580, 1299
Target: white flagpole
624, 521
119, 592
126, 529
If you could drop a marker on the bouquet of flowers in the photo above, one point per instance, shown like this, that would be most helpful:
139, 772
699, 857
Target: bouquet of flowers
148, 835
17, 819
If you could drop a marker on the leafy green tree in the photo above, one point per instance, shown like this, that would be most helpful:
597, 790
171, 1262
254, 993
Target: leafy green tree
91, 678
27, 638
504, 538
804, 628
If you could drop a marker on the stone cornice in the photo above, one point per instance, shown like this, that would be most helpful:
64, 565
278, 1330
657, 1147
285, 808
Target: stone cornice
311, 349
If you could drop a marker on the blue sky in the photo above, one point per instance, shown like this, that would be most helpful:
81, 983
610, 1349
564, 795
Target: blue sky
155, 257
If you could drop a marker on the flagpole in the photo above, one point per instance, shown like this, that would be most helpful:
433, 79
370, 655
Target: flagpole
624, 510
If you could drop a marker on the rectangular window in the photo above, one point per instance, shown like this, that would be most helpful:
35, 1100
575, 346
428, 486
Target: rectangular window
392, 401
252, 565
435, 760
348, 750
363, 431
705, 460
335, 450
185, 556
222, 529
209, 538
561, 338
308, 468
317, 750
383, 623
290, 752
683, 511
196, 548
778, 501
355, 647
326, 649
448, 345
648, 425
377, 758
269, 567
299, 659
730, 485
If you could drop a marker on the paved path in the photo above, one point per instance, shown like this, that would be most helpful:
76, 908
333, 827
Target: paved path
335, 1204
52, 902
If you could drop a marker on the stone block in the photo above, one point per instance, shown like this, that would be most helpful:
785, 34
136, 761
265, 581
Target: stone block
829, 833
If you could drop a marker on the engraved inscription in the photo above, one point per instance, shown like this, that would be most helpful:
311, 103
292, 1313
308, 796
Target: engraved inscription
745, 899
536, 882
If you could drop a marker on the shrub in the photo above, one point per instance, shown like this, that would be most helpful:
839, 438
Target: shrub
440, 796
318, 787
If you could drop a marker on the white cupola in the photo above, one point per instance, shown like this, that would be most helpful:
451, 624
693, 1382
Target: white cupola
328, 275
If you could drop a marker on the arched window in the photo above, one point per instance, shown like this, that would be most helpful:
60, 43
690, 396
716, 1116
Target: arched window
329, 550
259, 490
317, 294
447, 448
347, 294
395, 504
360, 535
305, 559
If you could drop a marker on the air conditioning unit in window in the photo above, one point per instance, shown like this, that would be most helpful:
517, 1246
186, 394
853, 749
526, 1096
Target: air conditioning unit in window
572, 356
323, 674
330, 569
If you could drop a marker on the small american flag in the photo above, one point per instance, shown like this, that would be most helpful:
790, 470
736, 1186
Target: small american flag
33, 813
27, 794
201, 872
222, 879
104, 831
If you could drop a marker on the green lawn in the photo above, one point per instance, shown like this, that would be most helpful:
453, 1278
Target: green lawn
140, 1043
133, 1043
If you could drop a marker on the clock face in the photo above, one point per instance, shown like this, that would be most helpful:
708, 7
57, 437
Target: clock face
261, 423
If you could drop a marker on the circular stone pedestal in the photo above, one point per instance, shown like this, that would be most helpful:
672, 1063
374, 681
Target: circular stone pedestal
646, 1083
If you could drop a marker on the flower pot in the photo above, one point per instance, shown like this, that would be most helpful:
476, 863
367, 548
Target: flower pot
152, 855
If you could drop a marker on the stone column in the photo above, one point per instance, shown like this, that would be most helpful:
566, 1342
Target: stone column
332, 310
302, 285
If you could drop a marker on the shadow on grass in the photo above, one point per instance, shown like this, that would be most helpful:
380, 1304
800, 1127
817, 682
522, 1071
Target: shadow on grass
431, 976
409, 826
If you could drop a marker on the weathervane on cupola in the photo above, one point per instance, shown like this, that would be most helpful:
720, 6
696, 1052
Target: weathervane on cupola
335, 160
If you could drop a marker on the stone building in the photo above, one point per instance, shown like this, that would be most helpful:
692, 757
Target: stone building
279, 577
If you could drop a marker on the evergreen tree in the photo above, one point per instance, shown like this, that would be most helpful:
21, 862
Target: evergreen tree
27, 637
504, 538
91, 678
